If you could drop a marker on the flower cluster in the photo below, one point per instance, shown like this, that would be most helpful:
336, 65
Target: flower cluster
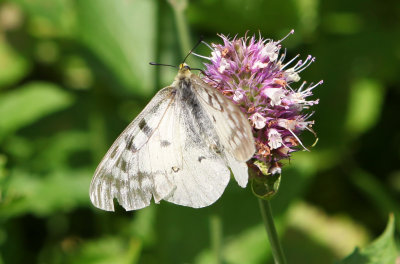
252, 73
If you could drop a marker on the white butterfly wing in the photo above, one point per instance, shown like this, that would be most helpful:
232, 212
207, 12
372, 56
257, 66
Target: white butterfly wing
232, 127
160, 154
127, 172
202, 175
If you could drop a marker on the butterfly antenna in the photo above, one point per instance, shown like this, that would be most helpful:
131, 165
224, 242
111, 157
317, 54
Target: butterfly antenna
195, 46
161, 64
198, 69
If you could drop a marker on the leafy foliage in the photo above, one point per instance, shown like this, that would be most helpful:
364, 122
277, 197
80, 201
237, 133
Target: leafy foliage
381, 251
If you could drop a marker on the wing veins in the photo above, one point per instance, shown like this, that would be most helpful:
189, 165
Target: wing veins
207, 89
156, 128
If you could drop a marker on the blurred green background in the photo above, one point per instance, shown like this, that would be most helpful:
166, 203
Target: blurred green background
74, 73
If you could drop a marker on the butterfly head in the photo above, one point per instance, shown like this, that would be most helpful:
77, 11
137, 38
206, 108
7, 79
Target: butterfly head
183, 67
184, 71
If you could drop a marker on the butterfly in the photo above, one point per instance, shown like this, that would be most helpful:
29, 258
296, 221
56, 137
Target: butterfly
178, 149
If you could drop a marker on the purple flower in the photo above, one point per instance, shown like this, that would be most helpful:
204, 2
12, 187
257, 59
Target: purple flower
253, 74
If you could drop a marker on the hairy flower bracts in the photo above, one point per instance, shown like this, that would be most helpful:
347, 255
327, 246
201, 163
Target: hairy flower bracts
253, 74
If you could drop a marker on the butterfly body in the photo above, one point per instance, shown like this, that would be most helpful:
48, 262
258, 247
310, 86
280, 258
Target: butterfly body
178, 149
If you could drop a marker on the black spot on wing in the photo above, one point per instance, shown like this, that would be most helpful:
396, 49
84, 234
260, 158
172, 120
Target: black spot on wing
141, 176
201, 158
142, 123
144, 127
123, 165
129, 145
114, 152
217, 149
165, 143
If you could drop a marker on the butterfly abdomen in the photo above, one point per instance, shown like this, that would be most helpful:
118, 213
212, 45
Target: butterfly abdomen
202, 130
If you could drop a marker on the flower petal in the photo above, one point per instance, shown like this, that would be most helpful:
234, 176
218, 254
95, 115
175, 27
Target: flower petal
274, 139
258, 121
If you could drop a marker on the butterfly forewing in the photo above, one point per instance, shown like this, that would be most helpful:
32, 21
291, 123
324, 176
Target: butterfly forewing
123, 173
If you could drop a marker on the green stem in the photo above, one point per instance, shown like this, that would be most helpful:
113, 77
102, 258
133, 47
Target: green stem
276, 248
179, 7
216, 237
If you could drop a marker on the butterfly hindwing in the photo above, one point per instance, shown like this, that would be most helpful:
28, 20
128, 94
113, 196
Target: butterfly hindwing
232, 127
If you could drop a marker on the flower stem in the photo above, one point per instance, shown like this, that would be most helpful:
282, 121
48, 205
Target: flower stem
179, 7
216, 237
276, 248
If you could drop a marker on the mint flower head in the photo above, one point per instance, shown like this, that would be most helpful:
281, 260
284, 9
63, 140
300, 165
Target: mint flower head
252, 72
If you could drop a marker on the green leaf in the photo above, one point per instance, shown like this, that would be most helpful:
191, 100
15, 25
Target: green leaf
3, 161
29, 103
381, 251
250, 246
64, 149
43, 195
13, 66
343, 23
49, 18
365, 104
121, 34
143, 226
109, 250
